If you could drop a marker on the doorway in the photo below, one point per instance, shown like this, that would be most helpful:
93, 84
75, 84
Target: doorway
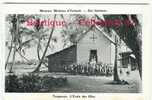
93, 56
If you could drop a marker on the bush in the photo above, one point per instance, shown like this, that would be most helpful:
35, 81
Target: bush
11, 83
32, 83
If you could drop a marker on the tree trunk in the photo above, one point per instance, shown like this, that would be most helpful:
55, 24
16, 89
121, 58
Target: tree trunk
38, 52
13, 60
115, 75
38, 47
14, 36
139, 63
8, 55
42, 59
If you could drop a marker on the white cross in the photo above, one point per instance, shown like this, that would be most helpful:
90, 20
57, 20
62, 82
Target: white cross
93, 37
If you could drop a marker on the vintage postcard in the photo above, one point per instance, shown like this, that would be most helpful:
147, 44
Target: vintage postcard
75, 50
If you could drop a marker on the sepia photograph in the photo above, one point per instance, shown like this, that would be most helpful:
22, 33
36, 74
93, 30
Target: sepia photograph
73, 53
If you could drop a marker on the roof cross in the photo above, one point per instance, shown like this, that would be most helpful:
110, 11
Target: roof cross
93, 37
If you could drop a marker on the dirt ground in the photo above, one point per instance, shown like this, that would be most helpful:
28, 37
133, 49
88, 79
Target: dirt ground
97, 84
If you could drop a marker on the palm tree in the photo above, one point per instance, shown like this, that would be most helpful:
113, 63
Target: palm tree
14, 39
17, 33
131, 35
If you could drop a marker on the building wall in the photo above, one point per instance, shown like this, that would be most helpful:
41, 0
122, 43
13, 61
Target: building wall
113, 54
58, 60
101, 44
